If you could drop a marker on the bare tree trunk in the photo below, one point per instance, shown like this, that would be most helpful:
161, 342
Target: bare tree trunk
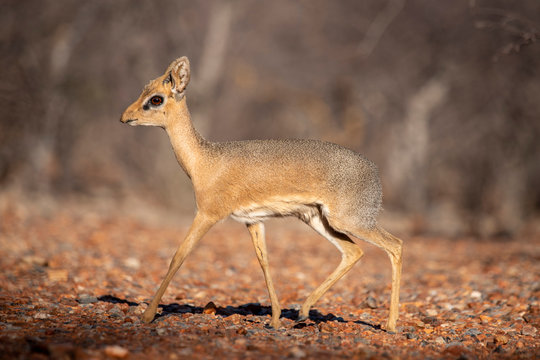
210, 68
408, 160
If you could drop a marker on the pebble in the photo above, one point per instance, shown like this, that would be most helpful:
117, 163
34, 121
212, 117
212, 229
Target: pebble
297, 352
365, 316
371, 302
528, 330
41, 316
473, 332
431, 320
210, 308
137, 310
116, 312
501, 339
477, 295
411, 336
161, 331
485, 319
185, 352
132, 263
325, 327
440, 341
35, 260
240, 342
116, 351
57, 275
87, 299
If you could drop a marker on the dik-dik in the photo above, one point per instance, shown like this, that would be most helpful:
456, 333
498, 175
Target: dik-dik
332, 189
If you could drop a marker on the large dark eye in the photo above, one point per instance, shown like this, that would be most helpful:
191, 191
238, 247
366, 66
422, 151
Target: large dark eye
156, 100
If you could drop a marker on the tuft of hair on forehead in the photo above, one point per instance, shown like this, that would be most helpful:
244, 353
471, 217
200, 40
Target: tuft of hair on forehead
148, 88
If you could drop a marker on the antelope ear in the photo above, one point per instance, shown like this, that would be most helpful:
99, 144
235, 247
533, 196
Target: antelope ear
178, 76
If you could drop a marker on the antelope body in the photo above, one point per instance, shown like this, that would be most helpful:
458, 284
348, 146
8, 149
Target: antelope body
334, 190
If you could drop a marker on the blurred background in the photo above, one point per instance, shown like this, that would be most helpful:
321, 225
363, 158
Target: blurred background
443, 96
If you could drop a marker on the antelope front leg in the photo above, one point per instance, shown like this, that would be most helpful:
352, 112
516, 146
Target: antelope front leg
257, 236
201, 224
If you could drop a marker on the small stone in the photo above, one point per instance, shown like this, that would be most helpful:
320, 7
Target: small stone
132, 263
476, 295
411, 336
240, 342
35, 260
528, 330
473, 332
161, 331
440, 341
371, 302
185, 352
200, 295
87, 299
241, 331
431, 320
456, 350
41, 316
210, 308
501, 339
235, 319
485, 319
57, 275
532, 318
116, 312
431, 312
325, 327
137, 310
365, 316
297, 352
116, 351
133, 319
411, 309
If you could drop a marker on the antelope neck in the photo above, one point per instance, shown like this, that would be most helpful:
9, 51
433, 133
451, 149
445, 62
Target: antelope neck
187, 143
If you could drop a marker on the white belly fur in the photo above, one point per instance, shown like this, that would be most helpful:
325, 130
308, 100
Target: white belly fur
259, 212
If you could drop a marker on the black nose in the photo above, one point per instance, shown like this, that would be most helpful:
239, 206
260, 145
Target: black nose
126, 121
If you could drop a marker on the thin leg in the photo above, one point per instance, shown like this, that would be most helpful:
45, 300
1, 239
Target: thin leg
351, 253
201, 224
257, 236
393, 247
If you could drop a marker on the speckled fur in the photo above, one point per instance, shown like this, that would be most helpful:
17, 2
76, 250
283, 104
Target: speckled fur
343, 182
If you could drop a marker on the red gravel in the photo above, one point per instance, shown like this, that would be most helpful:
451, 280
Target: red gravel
74, 286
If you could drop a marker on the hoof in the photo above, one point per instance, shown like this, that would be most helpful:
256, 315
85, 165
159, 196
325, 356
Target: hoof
302, 318
275, 324
391, 328
147, 317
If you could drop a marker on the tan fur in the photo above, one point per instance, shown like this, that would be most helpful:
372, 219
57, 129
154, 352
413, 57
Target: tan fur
334, 190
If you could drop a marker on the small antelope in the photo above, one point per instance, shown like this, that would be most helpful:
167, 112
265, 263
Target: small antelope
332, 189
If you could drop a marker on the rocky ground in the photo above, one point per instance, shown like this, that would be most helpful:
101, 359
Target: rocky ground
75, 285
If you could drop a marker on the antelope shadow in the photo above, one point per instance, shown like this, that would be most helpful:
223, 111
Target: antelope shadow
255, 309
